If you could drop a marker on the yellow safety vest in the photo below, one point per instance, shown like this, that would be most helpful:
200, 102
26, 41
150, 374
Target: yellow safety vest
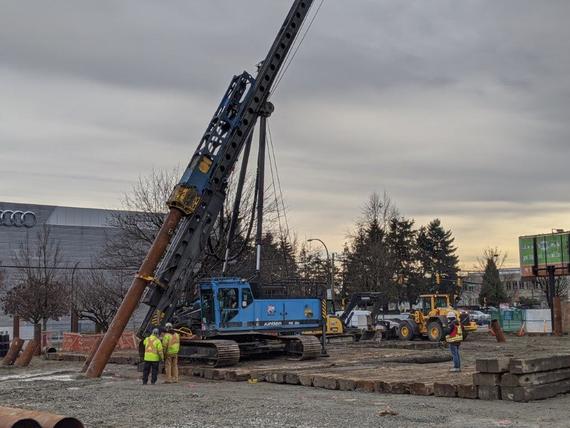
171, 342
152, 349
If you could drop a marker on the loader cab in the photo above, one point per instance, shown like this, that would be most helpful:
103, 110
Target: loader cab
431, 302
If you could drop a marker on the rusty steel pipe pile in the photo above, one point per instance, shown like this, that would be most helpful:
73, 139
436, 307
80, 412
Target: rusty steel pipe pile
22, 418
134, 295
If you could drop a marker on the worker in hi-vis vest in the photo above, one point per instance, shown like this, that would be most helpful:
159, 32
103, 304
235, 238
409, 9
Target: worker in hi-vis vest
454, 339
152, 356
171, 346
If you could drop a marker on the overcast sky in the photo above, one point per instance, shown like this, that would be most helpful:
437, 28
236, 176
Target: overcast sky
459, 110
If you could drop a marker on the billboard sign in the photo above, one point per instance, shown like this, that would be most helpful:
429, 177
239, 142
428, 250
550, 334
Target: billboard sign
537, 252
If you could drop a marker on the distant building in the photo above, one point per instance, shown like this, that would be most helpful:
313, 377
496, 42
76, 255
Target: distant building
515, 287
80, 232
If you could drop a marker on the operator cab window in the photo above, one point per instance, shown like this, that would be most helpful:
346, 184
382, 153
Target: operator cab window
441, 302
426, 305
228, 298
247, 298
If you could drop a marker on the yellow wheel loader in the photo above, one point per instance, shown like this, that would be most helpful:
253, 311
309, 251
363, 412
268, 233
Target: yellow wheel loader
430, 320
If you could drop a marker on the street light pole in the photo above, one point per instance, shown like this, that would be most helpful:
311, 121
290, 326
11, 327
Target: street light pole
328, 297
74, 314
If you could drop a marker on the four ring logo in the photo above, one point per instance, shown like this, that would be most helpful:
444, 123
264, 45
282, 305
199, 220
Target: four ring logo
18, 218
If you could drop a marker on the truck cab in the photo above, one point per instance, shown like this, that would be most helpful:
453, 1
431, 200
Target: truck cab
229, 306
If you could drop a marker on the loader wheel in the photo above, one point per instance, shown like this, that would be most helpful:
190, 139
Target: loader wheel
435, 331
405, 332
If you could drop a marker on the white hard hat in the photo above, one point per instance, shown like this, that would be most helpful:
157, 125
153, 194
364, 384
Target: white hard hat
451, 314
168, 325
155, 331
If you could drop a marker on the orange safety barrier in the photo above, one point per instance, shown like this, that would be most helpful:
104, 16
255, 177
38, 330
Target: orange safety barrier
76, 342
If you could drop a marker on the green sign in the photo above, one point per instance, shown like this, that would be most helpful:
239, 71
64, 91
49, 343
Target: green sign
550, 250
526, 249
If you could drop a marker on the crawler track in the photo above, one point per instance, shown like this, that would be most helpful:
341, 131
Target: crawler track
218, 353
302, 347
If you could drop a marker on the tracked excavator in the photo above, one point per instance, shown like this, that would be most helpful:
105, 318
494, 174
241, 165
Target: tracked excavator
235, 316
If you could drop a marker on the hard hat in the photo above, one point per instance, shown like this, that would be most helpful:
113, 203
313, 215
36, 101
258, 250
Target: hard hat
451, 314
155, 331
168, 325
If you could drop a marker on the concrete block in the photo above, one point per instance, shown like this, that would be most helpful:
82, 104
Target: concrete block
487, 392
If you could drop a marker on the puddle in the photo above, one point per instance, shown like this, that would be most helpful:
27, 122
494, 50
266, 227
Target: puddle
28, 377
61, 378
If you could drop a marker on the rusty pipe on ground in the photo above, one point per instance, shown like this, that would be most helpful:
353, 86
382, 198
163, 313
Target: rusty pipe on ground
499, 335
133, 296
22, 418
26, 356
13, 352
91, 354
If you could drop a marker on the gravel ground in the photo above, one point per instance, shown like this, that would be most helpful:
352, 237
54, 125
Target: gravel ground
119, 400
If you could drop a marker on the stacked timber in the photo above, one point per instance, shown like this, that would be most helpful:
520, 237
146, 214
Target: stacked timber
522, 379
488, 379
536, 378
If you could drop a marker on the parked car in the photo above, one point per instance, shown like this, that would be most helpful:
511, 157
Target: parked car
481, 318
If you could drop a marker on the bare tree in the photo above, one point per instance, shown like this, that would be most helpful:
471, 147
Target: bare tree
38, 295
98, 296
144, 211
560, 286
491, 253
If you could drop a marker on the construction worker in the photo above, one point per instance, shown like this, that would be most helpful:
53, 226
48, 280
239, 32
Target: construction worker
171, 346
454, 339
152, 356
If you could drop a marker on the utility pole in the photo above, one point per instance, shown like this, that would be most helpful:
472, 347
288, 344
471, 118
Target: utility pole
551, 290
74, 314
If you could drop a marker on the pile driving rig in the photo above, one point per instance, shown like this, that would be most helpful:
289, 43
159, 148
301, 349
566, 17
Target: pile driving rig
195, 204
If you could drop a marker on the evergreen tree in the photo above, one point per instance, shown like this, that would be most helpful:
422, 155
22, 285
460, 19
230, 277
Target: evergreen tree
492, 290
436, 256
401, 243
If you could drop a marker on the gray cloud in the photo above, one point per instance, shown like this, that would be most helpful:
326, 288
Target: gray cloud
458, 109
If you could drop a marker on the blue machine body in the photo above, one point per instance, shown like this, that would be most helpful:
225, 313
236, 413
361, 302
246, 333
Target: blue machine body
228, 306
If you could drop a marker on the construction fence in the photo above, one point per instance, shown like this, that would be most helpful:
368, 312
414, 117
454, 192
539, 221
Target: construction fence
77, 342
523, 320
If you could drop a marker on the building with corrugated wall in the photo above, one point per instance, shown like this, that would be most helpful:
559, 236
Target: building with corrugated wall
81, 234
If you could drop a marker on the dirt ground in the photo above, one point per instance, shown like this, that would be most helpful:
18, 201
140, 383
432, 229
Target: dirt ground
119, 399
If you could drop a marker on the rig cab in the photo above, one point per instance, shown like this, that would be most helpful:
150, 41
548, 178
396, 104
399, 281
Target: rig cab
229, 306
